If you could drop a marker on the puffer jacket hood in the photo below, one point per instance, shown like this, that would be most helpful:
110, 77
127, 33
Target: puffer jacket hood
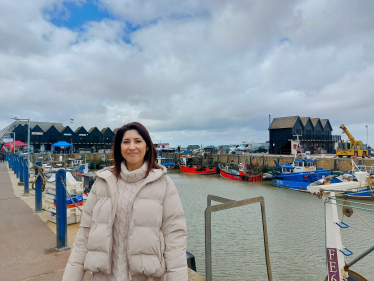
157, 234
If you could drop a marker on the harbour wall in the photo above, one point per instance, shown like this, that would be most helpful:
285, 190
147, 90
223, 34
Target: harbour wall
263, 160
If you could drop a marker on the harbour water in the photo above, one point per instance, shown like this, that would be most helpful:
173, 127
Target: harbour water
296, 231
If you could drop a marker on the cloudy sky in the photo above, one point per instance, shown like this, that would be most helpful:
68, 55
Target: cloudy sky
193, 72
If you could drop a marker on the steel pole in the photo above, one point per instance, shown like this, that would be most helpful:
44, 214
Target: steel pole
28, 143
38, 190
367, 136
20, 171
26, 179
17, 166
61, 211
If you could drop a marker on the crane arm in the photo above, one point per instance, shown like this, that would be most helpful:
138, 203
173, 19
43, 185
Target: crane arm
350, 137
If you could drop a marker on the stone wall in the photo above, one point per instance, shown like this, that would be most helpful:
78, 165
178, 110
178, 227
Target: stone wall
340, 164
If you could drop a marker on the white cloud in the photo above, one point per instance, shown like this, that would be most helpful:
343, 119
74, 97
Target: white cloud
206, 72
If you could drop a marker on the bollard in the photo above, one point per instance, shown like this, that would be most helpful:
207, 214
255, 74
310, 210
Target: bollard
25, 178
17, 167
61, 212
21, 171
15, 164
38, 191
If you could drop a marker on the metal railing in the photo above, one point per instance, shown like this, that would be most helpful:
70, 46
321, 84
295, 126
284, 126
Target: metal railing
314, 137
229, 204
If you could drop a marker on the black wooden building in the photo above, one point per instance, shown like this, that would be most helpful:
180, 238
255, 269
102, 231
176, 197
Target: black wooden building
44, 134
313, 133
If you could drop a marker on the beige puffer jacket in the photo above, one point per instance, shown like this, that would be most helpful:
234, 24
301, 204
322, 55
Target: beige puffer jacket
157, 230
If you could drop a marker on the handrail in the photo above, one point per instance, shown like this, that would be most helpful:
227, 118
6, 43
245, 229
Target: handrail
228, 204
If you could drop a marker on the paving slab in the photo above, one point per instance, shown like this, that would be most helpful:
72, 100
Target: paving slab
27, 248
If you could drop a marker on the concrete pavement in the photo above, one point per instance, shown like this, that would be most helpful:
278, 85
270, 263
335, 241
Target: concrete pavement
27, 243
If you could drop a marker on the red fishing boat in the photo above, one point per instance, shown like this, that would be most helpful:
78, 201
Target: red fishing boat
194, 165
240, 172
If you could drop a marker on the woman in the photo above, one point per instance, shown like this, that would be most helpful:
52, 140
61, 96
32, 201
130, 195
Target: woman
133, 226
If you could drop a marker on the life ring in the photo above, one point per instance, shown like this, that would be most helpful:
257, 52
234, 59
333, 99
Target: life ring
294, 146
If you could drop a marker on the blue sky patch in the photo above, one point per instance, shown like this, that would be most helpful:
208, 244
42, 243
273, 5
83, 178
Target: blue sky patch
74, 16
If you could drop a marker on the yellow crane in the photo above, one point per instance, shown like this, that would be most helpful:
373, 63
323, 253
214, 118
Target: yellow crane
351, 148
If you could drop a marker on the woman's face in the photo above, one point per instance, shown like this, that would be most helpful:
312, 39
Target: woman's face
133, 149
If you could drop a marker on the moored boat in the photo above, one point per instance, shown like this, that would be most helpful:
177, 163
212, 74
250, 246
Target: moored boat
302, 172
168, 163
240, 172
194, 165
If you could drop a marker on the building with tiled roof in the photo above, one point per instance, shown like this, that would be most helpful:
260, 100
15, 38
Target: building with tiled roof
312, 133
44, 134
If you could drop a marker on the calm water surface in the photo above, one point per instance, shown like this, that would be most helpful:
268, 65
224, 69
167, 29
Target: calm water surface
295, 223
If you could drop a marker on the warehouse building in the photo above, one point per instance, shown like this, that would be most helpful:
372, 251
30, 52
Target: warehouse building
44, 134
315, 134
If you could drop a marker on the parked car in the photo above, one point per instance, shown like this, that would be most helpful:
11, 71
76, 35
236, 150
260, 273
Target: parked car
234, 149
224, 148
210, 149
245, 147
260, 149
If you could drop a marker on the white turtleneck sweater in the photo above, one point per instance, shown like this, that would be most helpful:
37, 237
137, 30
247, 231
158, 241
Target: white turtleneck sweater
127, 187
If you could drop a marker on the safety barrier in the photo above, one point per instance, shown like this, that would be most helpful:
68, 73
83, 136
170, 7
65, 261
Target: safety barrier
228, 204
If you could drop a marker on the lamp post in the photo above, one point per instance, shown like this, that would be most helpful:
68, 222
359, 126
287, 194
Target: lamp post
28, 138
367, 136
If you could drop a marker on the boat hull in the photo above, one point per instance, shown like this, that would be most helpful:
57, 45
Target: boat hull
194, 170
302, 186
231, 176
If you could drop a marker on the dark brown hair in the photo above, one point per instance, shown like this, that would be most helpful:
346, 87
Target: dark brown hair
150, 155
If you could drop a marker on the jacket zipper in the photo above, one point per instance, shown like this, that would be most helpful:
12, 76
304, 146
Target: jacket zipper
128, 227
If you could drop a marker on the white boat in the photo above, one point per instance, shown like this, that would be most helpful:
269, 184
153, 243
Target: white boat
166, 162
337, 268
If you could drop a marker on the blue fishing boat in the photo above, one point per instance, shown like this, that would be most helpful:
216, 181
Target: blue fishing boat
300, 181
302, 172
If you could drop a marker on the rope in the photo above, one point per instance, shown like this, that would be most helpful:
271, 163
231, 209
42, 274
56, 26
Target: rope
41, 174
67, 192
363, 219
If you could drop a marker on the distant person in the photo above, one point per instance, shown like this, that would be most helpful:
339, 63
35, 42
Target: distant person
133, 225
1, 156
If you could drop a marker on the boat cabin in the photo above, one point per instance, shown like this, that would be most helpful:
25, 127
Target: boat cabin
188, 161
305, 165
237, 169
166, 162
